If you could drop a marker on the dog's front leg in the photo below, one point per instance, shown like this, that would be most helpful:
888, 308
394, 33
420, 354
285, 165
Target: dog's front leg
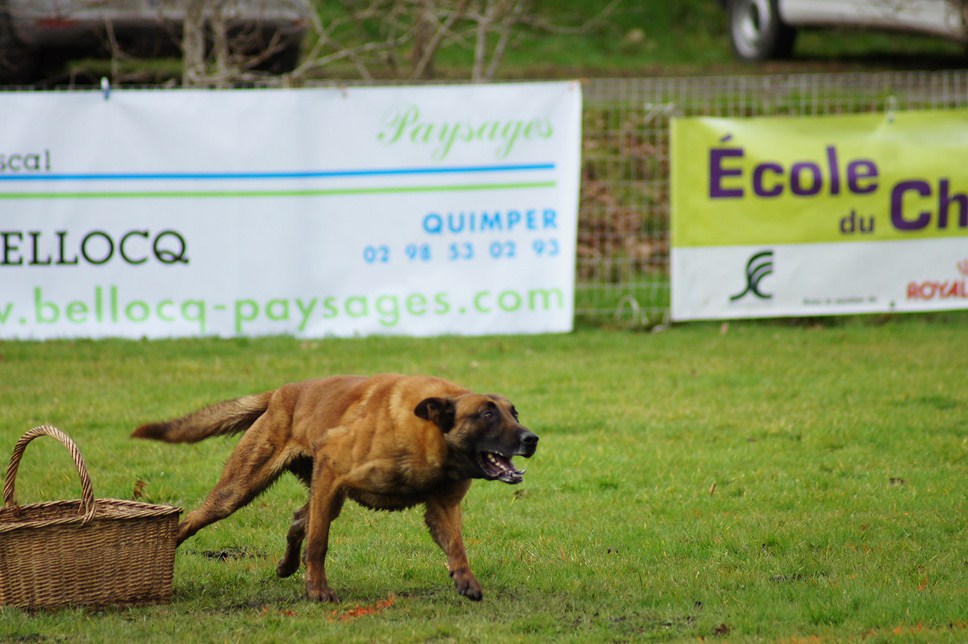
324, 500
444, 520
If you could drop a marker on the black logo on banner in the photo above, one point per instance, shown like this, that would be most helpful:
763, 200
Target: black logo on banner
759, 266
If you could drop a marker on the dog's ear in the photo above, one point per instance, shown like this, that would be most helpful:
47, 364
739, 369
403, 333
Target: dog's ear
440, 411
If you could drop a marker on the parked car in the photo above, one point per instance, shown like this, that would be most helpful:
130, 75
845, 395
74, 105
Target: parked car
764, 29
34, 31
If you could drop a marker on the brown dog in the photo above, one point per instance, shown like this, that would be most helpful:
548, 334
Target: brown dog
388, 442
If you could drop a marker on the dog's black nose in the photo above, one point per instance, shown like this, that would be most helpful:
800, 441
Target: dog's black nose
529, 439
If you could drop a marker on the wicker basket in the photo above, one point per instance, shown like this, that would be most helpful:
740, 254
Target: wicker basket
90, 552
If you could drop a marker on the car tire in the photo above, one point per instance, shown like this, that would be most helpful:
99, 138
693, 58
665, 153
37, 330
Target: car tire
757, 32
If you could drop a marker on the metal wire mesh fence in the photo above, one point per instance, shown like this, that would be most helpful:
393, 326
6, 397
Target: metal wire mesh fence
623, 237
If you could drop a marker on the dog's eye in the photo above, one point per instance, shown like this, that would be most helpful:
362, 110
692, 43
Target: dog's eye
488, 415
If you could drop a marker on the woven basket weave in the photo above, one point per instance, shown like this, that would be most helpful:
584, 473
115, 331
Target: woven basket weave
91, 552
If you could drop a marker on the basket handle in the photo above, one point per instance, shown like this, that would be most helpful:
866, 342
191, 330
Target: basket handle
87, 491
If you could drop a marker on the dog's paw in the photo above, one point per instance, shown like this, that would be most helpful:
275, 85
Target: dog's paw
287, 567
323, 595
471, 591
468, 586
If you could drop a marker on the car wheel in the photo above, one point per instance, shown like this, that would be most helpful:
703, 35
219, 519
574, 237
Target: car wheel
756, 31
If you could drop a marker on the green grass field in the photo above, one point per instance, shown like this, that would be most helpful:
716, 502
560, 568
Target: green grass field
769, 481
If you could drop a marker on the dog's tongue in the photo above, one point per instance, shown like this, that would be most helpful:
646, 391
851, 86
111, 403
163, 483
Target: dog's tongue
502, 468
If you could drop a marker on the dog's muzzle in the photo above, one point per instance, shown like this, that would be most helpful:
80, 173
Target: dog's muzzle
499, 467
527, 444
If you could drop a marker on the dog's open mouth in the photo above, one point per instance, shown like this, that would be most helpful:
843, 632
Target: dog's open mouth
497, 466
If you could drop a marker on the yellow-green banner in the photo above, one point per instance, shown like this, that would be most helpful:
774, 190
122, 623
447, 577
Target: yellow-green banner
826, 215
791, 180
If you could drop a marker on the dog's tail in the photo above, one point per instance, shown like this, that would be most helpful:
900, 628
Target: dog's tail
227, 417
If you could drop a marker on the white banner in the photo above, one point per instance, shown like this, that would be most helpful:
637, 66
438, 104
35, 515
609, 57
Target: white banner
820, 279
316, 212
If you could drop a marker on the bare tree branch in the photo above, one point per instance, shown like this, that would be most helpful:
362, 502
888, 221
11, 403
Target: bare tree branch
371, 34
511, 19
193, 43
538, 22
220, 43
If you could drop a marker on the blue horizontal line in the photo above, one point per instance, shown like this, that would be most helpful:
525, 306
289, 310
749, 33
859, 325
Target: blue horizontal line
307, 174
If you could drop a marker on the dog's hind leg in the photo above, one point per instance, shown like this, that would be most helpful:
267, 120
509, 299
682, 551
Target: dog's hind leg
302, 468
294, 540
297, 533
254, 465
